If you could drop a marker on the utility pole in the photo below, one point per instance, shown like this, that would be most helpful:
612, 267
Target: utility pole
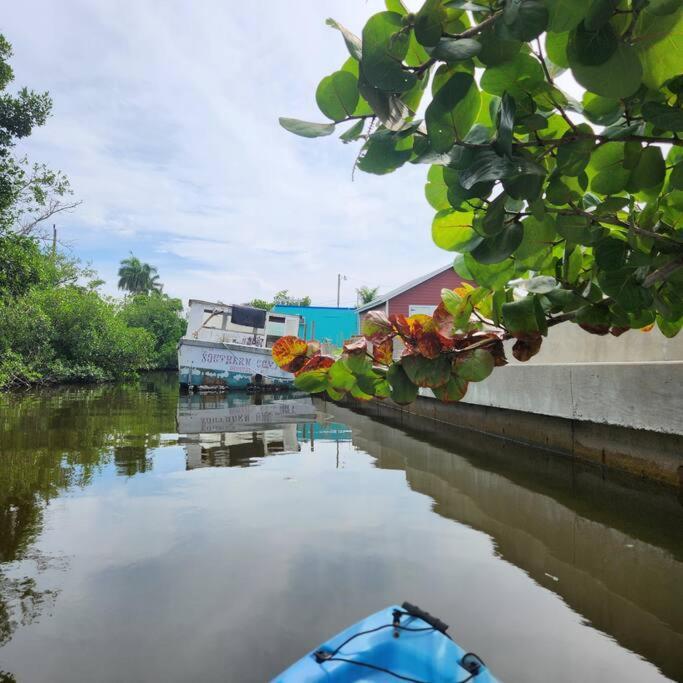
54, 240
340, 277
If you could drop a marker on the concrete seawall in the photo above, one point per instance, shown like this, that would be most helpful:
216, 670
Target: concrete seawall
620, 416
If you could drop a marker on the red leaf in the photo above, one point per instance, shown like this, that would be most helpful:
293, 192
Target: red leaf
618, 331
601, 330
289, 353
428, 345
316, 363
375, 326
524, 349
383, 351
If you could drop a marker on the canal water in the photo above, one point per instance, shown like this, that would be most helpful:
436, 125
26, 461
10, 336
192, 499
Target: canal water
150, 537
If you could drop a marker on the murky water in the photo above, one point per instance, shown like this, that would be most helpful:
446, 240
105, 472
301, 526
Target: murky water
149, 537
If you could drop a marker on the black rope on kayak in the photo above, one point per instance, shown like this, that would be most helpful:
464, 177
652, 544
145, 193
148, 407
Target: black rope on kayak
377, 668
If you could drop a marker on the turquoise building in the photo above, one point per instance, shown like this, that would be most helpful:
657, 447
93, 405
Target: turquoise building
324, 323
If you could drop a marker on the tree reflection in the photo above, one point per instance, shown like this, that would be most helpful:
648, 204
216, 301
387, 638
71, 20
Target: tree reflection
55, 440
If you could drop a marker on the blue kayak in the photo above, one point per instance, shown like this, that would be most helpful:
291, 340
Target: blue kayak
396, 644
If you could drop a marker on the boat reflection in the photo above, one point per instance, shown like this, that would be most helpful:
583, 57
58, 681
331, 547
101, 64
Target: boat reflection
235, 430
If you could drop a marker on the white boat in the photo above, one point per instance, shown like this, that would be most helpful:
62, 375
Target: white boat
229, 347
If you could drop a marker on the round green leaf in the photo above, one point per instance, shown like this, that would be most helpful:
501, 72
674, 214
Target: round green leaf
538, 237
337, 95
427, 372
663, 116
591, 48
676, 177
497, 248
496, 50
649, 171
312, 381
429, 22
525, 19
452, 231
436, 190
660, 45
452, 111
475, 366
494, 276
620, 76
603, 111
556, 48
385, 46
524, 74
306, 129
456, 50
566, 14
610, 253
403, 391
454, 390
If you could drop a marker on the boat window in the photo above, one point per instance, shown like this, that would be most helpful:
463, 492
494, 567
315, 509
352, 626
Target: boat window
277, 318
213, 319
271, 339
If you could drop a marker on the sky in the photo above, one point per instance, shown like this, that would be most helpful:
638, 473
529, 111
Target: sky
165, 120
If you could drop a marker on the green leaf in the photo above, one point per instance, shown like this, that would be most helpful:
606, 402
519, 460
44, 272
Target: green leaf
591, 48
566, 14
388, 107
599, 13
676, 177
556, 48
486, 166
312, 382
610, 253
403, 391
506, 123
578, 229
603, 111
475, 366
662, 116
525, 19
497, 248
353, 133
493, 221
454, 390
660, 46
384, 152
306, 129
456, 49
452, 231
523, 74
496, 50
436, 190
452, 111
524, 317
353, 44
337, 95
385, 46
494, 276
429, 22
426, 372
573, 157
396, 6
620, 76
538, 237
340, 377
649, 171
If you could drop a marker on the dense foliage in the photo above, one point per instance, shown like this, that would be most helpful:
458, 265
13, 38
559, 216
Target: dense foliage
56, 327
559, 209
282, 298
161, 316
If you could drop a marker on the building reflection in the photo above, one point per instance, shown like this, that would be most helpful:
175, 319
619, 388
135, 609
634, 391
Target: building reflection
611, 549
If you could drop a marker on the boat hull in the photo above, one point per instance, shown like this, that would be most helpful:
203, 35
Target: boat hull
371, 650
221, 366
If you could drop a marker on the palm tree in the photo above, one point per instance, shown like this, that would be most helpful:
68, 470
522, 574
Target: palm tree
367, 294
137, 277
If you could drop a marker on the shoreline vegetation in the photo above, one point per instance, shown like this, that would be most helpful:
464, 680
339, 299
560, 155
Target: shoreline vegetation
56, 327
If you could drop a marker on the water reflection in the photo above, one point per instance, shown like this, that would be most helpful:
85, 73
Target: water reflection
329, 523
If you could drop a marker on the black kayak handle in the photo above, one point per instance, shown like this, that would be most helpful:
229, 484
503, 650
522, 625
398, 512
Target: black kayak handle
415, 611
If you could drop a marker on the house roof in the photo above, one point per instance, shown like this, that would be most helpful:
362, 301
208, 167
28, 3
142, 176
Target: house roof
403, 288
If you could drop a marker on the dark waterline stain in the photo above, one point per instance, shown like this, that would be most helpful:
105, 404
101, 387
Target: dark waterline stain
148, 536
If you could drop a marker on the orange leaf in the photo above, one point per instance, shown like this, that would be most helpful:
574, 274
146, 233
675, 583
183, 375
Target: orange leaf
382, 352
289, 353
647, 328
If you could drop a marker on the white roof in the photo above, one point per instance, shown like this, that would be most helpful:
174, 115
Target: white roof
403, 288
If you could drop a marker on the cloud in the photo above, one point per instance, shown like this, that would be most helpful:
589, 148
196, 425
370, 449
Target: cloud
165, 120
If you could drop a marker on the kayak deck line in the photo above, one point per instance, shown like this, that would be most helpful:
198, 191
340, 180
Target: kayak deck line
383, 646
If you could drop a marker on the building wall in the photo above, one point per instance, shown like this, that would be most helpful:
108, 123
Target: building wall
427, 293
324, 323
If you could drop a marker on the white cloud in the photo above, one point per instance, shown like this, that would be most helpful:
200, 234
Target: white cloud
165, 120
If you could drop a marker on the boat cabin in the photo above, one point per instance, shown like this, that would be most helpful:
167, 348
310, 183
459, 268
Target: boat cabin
232, 324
